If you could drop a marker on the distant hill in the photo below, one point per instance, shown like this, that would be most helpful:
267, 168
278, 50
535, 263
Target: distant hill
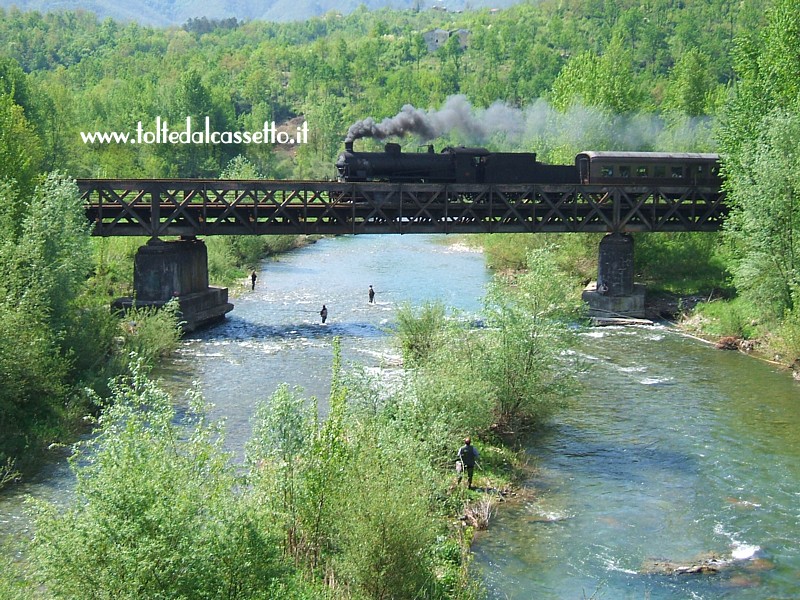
178, 12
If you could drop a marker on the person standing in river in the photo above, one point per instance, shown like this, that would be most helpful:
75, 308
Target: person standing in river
324, 313
371, 295
253, 278
467, 455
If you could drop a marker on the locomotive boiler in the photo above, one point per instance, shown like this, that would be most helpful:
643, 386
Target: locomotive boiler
451, 165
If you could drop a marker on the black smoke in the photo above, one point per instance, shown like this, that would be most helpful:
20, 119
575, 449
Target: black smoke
457, 113
538, 125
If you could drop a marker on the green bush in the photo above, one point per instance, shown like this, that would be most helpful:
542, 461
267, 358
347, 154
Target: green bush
156, 513
12, 584
385, 529
150, 332
420, 331
785, 338
681, 263
734, 318
530, 327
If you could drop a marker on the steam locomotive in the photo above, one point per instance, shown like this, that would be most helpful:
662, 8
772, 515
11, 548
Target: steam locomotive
478, 165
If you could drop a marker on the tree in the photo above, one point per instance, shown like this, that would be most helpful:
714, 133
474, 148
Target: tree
606, 81
759, 142
765, 224
690, 85
767, 65
20, 147
52, 258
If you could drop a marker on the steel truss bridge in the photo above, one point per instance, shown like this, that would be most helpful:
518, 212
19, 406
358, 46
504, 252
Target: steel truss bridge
202, 207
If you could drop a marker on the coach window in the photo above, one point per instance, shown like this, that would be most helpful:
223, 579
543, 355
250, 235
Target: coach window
677, 172
659, 171
607, 171
624, 171
641, 171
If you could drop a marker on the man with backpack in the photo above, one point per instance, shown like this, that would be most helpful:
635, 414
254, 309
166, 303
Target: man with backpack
467, 456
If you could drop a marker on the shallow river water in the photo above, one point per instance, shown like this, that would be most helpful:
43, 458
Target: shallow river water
674, 451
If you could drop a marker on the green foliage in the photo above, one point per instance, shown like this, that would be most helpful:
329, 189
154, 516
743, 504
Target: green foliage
691, 89
350, 494
49, 263
785, 338
420, 331
765, 221
20, 147
766, 60
12, 584
43, 264
156, 515
388, 531
736, 318
152, 333
507, 250
574, 254
513, 371
296, 466
608, 81
531, 329
449, 396
681, 263
759, 138
7, 472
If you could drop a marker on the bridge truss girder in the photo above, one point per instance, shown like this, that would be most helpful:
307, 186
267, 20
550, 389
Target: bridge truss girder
195, 207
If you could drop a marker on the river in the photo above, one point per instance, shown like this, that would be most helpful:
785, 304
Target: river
673, 451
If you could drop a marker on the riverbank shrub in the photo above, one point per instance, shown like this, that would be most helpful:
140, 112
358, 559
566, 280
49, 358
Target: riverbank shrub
421, 331
735, 318
151, 333
385, 530
45, 257
12, 582
785, 338
356, 497
156, 514
514, 370
531, 318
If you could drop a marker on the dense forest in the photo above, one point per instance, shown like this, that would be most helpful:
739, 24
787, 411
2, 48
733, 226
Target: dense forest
581, 74
554, 77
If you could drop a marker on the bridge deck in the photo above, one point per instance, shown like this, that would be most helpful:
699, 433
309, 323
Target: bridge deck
192, 207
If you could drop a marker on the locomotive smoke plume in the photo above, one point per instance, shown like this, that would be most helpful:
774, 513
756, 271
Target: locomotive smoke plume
539, 126
456, 114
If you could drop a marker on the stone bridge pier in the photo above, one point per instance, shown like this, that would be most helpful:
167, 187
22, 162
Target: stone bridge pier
614, 295
177, 269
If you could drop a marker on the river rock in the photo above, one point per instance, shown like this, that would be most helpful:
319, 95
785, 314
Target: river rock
727, 343
701, 565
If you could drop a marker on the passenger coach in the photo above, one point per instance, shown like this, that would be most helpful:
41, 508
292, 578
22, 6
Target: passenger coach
648, 168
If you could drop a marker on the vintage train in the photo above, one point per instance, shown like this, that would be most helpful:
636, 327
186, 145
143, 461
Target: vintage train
478, 165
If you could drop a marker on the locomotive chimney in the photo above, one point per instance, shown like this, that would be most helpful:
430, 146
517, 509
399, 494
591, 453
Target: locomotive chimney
348, 146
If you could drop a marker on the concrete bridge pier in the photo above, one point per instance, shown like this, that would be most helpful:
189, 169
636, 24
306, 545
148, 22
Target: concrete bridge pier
614, 295
177, 269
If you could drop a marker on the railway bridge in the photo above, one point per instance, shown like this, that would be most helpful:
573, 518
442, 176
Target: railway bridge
189, 208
